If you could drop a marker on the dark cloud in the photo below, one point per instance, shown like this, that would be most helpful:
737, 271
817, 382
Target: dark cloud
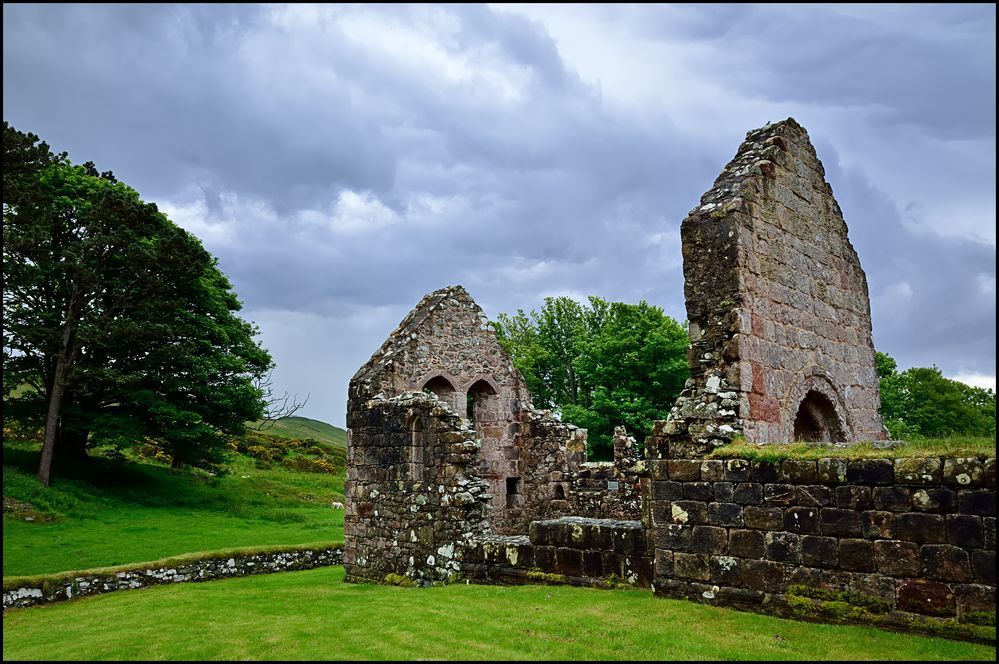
344, 161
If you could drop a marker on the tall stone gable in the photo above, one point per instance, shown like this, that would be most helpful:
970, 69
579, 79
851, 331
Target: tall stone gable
780, 322
445, 345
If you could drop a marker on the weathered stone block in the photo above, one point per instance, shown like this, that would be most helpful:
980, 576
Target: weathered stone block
538, 532
877, 525
658, 468
674, 537
989, 474
892, 498
712, 470
748, 493
983, 566
764, 471
839, 522
831, 471
778, 494
918, 471
689, 512
974, 597
664, 563
765, 575
928, 597
763, 518
854, 497
802, 520
897, 558
814, 495
666, 490
709, 539
965, 531
737, 470
725, 514
544, 557
691, 566
797, 472
782, 547
724, 492
875, 585
941, 501
630, 541
746, 543
684, 470
921, 528
593, 564
819, 551
569, 561
980, 502
944, 562
870, 471
963, 471
725, 570
698, 491
989, 532
856, 555
729, 596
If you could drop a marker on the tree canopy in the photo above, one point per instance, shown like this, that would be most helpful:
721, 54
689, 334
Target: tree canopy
118, 321
921, 401
599, 364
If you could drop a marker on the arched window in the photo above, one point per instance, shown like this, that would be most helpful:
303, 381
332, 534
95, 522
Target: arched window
480, 402
442, 387
816, 420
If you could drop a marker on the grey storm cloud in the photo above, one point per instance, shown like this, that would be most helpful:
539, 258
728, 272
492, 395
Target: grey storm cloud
343, 161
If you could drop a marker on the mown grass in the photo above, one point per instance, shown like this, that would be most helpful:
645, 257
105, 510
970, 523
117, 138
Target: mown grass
314, 615
304, 427
964, 446
103, 513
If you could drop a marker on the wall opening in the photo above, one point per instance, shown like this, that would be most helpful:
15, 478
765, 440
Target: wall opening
816, 420
442, 387
559, 492
513, 492
416, 462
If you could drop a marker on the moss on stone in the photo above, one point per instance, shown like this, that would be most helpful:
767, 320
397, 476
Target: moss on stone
398, 580
548, 577
984, 618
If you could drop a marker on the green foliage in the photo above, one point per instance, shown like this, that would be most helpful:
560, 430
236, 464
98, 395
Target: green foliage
116, 319
922, 402
958, 446
601, 365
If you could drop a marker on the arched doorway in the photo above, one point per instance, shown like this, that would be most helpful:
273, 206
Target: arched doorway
816, 420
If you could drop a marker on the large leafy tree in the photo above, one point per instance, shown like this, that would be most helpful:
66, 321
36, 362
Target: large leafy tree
921, 401
600, 364
119, 321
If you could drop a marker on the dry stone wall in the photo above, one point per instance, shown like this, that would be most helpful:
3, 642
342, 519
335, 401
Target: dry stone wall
911, 538
778, 306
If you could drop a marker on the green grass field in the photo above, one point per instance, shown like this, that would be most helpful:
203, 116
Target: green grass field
314, 615
144, 511
303, 427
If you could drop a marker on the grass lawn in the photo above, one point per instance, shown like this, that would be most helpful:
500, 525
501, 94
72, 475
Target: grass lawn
963, 446
144, 511
314, 615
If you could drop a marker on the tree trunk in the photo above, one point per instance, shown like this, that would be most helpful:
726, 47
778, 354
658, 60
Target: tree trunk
52, 420
71, 444
64, 362
176, 463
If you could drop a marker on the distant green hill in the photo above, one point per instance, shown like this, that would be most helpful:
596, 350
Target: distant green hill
303, 427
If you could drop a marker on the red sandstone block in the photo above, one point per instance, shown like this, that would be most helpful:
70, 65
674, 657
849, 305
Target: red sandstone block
759, 383
763, 408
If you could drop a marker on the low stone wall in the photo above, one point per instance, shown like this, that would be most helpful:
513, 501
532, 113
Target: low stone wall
913, 538
573, 550
44, 590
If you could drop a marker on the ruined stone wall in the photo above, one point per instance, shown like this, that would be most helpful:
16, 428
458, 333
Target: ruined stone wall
778, 306
610, 489
413, 490
573, 550
916, 535
447, 346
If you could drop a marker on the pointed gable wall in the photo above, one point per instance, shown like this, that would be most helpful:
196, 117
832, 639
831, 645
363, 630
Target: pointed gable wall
778, 306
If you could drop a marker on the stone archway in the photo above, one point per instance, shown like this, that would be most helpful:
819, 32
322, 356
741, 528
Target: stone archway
816, 420
445, 391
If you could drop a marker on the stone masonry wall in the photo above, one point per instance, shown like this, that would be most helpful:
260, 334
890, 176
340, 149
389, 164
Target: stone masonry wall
447, 346
778, 306
917, 535
572, 550
413, 491
207, 569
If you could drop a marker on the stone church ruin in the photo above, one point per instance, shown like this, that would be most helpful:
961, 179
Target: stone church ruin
451, 472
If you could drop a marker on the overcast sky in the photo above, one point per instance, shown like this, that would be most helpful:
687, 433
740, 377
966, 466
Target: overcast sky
343, 161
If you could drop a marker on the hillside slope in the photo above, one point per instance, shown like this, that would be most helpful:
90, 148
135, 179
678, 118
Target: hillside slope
304, 427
